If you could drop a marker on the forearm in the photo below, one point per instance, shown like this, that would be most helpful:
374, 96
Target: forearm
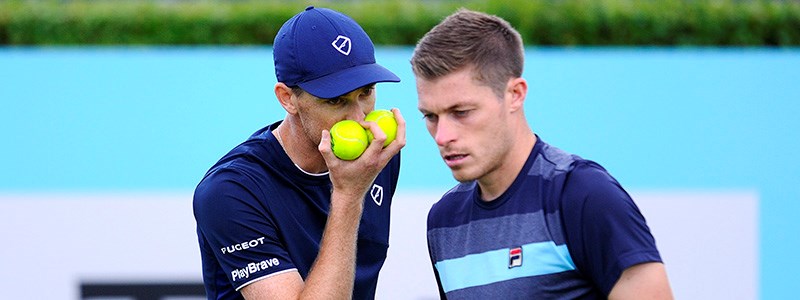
333, 273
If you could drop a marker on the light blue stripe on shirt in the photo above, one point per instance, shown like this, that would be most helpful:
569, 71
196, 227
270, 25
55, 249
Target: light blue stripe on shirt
492, 266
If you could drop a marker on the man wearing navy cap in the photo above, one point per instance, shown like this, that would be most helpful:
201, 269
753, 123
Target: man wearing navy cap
279, 216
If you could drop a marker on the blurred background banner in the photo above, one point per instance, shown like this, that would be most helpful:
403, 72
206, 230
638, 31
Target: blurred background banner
110, 117
402, 22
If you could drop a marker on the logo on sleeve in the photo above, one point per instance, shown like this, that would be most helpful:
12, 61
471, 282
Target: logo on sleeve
242, 246
515, 257
377, 194
254, 267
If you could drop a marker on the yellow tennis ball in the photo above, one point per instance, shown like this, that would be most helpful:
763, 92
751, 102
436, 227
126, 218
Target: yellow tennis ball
348, 139
387, 123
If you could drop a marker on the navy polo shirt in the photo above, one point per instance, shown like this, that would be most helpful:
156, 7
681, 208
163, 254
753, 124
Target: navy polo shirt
259, 215
564, 229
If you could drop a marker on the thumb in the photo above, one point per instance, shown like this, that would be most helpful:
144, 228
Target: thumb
324, 146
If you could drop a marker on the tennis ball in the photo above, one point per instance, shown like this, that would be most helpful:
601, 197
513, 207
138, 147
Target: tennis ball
386, 122
348, 139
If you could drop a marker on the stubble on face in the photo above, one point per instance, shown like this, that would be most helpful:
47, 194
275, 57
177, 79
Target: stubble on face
467, 122
311, 119
488, 144
318, 114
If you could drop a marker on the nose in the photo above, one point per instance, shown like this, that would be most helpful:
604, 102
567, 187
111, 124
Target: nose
358, 111
444, 132
356, 114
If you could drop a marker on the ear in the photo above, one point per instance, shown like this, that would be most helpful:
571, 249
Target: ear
517, 90
286, 97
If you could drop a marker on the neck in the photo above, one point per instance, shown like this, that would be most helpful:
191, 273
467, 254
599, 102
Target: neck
300, 149
496, 183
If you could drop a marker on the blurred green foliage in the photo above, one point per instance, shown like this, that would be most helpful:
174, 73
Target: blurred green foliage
403, 22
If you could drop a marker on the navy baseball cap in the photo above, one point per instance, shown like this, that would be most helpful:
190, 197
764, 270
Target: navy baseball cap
327, 54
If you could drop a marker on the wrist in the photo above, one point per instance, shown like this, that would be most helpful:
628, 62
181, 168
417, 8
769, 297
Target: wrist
347, 198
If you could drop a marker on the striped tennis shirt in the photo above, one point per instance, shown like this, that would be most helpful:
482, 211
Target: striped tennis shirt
564, 229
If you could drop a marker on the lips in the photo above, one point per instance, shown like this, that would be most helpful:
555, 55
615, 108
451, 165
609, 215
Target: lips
453, 160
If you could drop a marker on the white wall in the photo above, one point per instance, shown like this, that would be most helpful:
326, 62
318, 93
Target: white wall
53, 242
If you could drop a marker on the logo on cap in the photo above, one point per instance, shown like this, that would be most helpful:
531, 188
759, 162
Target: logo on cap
342, 44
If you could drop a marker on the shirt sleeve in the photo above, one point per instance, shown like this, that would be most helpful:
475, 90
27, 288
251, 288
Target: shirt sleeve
606, 233
239, 229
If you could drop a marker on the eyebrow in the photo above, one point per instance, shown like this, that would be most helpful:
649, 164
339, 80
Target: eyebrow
452, 107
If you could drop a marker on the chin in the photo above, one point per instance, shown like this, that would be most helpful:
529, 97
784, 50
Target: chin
463, 177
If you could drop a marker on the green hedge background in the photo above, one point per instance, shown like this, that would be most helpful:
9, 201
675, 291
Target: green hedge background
403, 22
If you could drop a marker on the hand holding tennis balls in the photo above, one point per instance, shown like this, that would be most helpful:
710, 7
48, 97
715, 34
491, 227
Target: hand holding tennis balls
349, 139
386, 122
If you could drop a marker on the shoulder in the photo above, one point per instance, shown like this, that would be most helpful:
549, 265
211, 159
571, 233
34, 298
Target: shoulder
551, 161
455, 202
591, 187
236, 185
221, 190
231, 175
557, 158
588, 174
606, 233
244, 168
592, 196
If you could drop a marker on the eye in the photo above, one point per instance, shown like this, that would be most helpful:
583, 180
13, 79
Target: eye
334, 101
430, 117
461, 113
368, 91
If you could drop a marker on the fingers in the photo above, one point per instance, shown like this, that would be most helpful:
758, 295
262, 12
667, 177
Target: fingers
400, 139
324, 146
394, 147
375, 148
378, 136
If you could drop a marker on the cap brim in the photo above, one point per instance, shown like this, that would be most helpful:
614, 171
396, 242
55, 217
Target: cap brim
345, 81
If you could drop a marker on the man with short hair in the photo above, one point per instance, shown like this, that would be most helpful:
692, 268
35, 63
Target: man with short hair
281, 217
527, 220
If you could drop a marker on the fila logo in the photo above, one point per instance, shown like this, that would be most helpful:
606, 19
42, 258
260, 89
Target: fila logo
515, 257
342, 44
377, 194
